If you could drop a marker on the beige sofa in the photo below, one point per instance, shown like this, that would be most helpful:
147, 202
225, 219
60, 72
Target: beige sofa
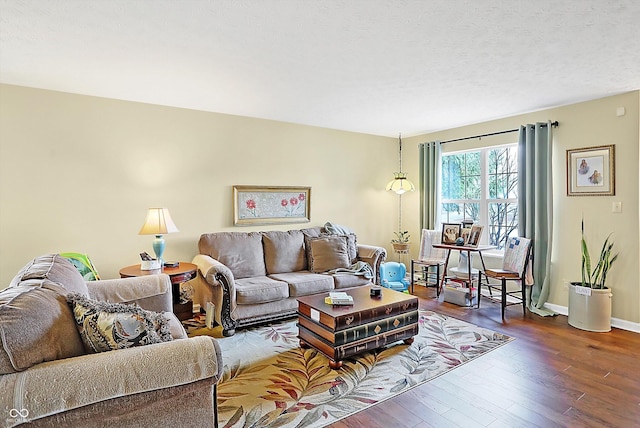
255, 277
47, 378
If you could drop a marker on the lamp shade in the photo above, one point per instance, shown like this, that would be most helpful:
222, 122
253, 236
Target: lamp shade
158, 222
400, 184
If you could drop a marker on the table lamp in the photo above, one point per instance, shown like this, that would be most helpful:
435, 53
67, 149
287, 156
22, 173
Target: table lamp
158, 223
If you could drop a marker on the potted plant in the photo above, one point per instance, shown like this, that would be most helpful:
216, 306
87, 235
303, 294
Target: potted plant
401, 241
590, 299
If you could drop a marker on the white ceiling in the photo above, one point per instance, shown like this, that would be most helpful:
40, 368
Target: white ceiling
372, 66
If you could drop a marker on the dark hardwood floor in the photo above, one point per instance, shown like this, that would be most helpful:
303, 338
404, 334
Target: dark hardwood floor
552, 375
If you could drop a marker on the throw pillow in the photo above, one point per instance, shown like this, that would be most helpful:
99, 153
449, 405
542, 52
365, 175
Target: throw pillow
284, 251
106, 326
352, 245
327, 252
36, 325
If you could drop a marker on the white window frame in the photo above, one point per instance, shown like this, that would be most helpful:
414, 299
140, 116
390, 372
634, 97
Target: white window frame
484, 200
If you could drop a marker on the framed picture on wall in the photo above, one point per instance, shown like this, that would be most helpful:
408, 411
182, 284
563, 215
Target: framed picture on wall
591, 171
450, 232
254, 205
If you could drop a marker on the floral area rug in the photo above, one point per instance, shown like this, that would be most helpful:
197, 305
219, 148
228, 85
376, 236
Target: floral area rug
269, 381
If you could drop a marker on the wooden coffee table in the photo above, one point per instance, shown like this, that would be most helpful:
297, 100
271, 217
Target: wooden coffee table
370, 323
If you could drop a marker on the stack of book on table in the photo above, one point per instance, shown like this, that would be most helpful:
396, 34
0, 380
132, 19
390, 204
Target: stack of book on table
338, 298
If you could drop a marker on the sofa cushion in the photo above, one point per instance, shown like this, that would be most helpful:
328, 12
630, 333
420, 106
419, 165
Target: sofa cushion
106, 326
284, 251
36, 325
327, 252
260, 289
304, 283
241, 252
54, 268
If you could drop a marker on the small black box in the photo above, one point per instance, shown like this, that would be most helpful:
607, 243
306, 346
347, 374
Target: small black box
376, 291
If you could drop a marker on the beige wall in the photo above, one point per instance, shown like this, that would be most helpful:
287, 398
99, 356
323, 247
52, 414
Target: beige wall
77, 173
585, 124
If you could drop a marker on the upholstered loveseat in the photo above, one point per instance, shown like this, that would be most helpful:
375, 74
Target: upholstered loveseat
49, 379
255, 277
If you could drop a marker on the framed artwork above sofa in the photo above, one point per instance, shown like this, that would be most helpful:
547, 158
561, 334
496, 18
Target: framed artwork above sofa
255, 205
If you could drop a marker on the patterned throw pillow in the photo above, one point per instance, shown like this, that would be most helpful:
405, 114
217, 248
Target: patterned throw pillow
106, 326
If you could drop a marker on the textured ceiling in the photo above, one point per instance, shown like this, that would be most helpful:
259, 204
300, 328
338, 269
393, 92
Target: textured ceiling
372, 66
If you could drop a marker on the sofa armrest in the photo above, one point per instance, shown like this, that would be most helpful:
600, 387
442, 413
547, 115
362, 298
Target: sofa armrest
220, 278
373, 255
211, 269
87, 379
151, 292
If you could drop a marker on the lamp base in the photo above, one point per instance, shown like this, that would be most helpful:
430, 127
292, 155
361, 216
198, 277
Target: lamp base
158, 248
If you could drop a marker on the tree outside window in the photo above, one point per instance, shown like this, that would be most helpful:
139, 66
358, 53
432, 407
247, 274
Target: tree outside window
482, 186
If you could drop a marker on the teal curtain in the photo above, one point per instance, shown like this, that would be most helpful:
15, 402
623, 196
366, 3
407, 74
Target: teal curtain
535, 206
429, 184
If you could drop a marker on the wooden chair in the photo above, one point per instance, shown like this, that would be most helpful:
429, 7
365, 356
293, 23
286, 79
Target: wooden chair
429, 260
514, 268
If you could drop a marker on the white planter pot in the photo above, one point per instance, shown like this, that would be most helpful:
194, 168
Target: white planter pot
590, 312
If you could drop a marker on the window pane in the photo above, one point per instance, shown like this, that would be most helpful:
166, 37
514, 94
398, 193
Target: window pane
452, 213
472, 185
493, 162
503, 223
502, 160
493, 187
502, 187
512, 185
452, 186
513, 159
503, 173
472, 212
472, 163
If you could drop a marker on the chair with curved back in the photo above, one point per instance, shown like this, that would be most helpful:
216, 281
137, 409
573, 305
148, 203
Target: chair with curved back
392, 275
514, 268
429, 260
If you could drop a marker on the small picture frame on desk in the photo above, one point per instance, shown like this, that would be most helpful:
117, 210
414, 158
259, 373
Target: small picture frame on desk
450, 232
474, 236
464, 234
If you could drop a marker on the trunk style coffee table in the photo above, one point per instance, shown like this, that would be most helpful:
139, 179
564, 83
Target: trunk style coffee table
370, 323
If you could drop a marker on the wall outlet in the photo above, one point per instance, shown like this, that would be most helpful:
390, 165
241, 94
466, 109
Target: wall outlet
616, 207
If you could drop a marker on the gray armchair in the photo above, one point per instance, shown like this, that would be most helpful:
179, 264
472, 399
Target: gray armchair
48, 380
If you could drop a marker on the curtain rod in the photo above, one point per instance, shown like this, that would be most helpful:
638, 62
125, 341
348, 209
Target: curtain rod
554, 124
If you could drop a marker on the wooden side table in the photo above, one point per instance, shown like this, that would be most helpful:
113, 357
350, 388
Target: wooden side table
178, 275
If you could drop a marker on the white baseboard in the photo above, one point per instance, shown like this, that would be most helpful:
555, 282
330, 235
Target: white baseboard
615, 322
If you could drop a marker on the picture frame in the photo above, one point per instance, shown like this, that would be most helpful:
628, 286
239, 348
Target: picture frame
591, 171
465, 232
450, 232
259, 205
474, 236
